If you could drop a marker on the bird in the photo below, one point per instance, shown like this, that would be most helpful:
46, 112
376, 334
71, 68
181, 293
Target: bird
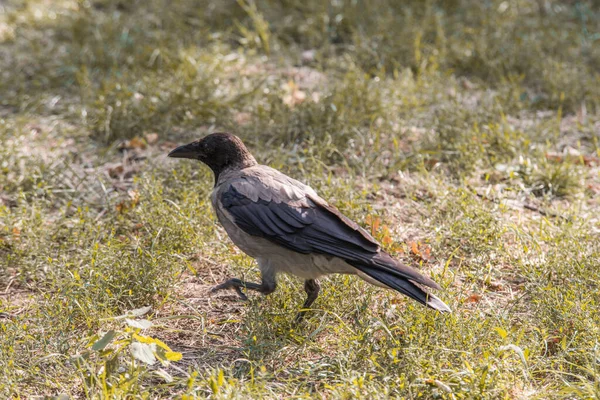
288, 228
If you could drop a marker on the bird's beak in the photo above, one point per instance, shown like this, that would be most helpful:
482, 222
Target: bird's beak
185, 151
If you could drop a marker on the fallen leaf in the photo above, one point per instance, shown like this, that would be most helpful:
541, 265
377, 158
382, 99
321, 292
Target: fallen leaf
495, 286
473, 298
376, 224
173, 355
421, 250
427, 253
134, 195
135, 143
414, 248
502, 332
121, 207
151, 138
116, 171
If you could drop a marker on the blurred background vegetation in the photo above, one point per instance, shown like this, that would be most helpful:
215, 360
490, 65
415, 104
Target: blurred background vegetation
464, 134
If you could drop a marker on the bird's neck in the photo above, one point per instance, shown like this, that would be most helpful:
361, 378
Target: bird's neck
222, 171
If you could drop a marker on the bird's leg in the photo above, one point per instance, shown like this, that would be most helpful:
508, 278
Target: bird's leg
312, 288
265, 287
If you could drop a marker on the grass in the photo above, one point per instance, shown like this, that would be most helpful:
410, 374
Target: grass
464, 135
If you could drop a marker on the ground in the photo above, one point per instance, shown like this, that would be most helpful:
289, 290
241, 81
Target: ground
464, 135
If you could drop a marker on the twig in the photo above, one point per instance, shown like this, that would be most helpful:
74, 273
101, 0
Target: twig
8, 286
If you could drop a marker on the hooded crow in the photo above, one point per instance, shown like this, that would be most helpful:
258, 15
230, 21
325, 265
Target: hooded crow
288, 228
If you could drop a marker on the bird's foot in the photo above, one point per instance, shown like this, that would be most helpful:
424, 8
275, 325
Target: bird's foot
236, 284
299, 317
241, 294
266, 287
229, 285
312, 288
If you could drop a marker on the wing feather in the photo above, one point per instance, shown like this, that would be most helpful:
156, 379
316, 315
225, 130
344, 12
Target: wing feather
308, 224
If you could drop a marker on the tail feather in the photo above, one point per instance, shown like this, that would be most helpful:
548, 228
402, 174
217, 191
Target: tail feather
402, 285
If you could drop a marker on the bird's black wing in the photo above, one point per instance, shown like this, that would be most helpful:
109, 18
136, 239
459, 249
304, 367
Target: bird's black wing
310, 225
302, 228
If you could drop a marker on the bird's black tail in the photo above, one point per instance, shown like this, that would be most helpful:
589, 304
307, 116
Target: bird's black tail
396, 280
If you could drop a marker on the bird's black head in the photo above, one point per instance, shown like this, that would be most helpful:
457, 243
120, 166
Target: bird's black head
220, 151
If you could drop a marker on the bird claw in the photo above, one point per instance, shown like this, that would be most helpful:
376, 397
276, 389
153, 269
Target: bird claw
299, 317
218, 287
241, 294
226, 285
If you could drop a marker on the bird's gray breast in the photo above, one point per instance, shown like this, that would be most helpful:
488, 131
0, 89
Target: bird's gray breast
251, 245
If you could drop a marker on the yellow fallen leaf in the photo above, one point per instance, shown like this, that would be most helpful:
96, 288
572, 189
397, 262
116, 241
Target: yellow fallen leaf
173, 355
